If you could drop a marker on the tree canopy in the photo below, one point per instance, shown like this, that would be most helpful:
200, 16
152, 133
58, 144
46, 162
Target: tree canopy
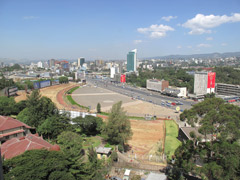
38, 164
219, 158
38, 109
118, 128
89, 125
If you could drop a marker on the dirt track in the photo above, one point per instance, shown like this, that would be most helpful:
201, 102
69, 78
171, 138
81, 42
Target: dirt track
50, 92
146, 134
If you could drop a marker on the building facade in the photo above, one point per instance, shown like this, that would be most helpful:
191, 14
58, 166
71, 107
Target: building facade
228, 89
157, 85
11, 128
132, 61
204, 82
81, 61
175, 91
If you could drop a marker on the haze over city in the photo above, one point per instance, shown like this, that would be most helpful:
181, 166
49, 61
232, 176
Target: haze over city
109, 29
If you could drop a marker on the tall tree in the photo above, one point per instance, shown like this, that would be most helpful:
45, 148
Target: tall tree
38, 109
98, 108
71, 145
118, 128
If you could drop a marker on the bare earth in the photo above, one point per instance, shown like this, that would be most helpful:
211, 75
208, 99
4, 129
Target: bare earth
146, 134
50, 92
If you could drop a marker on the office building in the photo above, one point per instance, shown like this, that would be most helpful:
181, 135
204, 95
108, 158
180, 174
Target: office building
51, 62
99, 62
228, 89
175, 91
204, 83
157, 85
81, 61
132, 61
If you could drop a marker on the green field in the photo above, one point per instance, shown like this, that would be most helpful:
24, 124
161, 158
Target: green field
171, 141
73, 89
70, 99
91, 141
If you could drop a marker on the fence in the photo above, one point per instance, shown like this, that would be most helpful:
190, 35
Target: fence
140, 162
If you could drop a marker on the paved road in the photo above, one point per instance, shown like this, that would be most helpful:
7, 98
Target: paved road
142, 94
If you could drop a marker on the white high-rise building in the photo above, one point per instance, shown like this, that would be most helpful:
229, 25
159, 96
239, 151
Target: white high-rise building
40, 64
204, 82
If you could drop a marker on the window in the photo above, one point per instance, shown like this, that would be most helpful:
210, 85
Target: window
7, 137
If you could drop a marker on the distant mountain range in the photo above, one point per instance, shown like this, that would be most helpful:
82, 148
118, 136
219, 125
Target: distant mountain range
203, 56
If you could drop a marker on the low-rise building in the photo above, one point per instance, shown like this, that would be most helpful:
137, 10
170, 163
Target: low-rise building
12, 128
228, 89
103, 152
17, 146
175, 91
157, 85
184, 134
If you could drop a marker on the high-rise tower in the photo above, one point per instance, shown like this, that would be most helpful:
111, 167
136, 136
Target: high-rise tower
132, 60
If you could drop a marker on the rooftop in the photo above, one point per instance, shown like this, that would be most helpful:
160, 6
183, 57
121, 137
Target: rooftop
17, 146
103, 150
10, 123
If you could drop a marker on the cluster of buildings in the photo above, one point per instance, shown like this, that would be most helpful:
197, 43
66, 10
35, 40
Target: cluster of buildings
204, 83
163, 87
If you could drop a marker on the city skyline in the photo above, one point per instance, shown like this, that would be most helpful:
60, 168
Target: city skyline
109, 30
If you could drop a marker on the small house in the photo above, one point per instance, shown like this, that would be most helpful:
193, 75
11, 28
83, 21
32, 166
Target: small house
103, 152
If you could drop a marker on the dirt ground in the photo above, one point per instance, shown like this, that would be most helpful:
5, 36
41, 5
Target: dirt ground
146, 134
50, 92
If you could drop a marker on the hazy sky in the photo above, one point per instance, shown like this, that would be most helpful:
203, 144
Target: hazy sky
108, 29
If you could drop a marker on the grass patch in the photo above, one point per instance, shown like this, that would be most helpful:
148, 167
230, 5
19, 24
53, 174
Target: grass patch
104, 113
91, 141
73, 89
70, 99
130, 117
136, 117
171, 141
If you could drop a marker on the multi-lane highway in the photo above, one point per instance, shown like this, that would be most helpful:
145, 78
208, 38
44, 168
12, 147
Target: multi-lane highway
142, 94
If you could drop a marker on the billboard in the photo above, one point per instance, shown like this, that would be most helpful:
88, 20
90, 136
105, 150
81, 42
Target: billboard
36, 85
123, 78
45, 83
55, 82
211, 80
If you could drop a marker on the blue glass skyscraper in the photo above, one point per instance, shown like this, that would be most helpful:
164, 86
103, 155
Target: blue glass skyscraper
132, 61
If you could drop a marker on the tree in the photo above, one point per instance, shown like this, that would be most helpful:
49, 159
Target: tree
89, 125
38, 164
63, 79
71, 145
38, 109
118, 128
219, 158
7, 106
95, 169
98, 108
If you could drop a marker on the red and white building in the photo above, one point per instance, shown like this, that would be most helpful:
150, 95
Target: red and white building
204, 83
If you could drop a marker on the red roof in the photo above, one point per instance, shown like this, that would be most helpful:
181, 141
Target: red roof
17, 146
10, 123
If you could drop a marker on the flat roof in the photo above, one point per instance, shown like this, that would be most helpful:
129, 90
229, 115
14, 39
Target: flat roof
127, 172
